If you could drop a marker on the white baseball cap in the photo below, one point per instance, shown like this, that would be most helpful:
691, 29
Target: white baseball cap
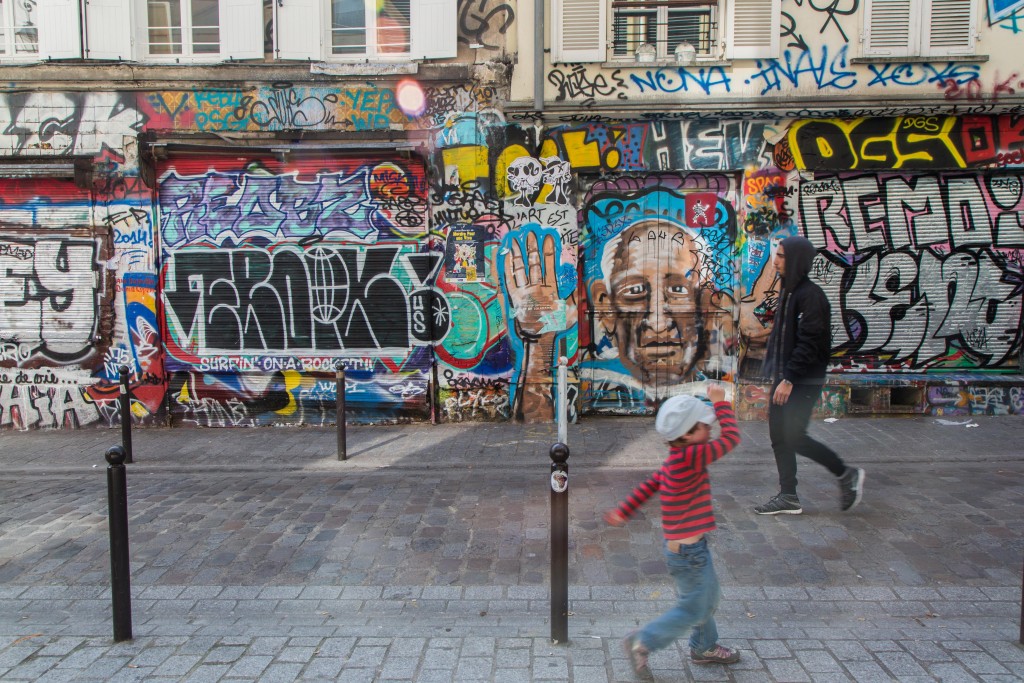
679, 414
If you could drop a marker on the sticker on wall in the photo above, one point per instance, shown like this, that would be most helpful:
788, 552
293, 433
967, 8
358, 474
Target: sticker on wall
700, 209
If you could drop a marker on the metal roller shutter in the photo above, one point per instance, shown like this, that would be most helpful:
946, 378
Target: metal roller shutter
55, 318
273, 271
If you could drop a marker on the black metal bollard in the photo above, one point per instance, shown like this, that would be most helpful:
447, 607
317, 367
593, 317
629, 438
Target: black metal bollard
125, 401
559, 543
120, 569
1022, 606
342, 445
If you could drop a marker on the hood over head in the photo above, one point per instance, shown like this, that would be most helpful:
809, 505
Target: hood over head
800, 254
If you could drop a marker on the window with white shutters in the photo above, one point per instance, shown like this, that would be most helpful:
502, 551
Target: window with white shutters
676, 30
40, 29
919, 28
174, 31
357, 30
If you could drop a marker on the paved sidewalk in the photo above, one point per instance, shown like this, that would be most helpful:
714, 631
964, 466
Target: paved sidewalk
258, 556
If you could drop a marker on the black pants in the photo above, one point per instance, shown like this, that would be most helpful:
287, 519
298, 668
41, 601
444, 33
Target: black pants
787, 427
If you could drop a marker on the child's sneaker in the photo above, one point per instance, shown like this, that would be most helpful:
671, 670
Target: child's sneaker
637, 654
716, 655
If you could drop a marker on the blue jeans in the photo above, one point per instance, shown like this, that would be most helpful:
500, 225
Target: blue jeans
697, 596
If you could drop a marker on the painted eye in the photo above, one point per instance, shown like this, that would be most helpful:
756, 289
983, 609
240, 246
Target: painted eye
636, 291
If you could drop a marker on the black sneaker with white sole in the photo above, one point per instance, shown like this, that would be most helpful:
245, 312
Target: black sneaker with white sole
781, 504
851, 488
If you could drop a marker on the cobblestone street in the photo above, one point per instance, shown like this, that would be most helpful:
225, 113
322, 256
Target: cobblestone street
257, 555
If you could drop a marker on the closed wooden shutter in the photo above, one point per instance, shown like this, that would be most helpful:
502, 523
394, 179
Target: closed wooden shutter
949, 27
891, 26
241, 29
59, 30
578, 29
434, 34
754, 27
299, 29
110, 29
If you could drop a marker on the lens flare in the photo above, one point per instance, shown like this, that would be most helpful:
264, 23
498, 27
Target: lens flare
411, 99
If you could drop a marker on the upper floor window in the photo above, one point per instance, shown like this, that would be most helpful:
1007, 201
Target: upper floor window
920, 28
663, 28
363, 30
181, 31
173, 31
366, 27
657, 30
19, 28
183, 27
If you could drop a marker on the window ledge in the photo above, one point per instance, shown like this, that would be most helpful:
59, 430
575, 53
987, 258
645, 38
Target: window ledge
662, 63
364, 68
919, 60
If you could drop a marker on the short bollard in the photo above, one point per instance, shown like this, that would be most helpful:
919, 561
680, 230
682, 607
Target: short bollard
125, 401
120, 569
342, 445
559, 544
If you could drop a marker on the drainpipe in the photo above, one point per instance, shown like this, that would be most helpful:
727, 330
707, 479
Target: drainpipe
538, 55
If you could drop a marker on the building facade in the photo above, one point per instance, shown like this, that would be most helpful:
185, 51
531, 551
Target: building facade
230, 198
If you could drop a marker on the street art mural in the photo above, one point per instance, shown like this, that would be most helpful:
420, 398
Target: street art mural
660, 284
540, 309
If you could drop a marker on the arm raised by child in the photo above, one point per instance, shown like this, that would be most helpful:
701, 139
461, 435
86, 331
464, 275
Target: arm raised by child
730, 437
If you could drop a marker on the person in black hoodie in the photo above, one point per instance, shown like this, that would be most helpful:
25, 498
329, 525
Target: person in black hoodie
795, 360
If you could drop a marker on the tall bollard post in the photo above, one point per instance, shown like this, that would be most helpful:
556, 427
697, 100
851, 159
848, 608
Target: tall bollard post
125, 401
342, 445
562, 404
120, 569
559, 543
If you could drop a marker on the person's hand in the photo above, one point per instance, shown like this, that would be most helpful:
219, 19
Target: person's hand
716, 393
614, 518
782, 393
533, 288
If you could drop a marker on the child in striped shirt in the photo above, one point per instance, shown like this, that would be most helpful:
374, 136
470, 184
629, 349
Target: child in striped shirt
686, 515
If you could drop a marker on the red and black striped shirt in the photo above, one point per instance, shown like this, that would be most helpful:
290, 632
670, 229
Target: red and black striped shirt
683, 482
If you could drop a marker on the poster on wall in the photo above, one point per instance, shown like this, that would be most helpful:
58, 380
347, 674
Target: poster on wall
464, 254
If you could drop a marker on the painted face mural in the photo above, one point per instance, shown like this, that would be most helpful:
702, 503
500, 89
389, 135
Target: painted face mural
659, 295
649, 301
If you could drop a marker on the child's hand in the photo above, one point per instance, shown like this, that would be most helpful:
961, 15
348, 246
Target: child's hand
614, 518
716, 393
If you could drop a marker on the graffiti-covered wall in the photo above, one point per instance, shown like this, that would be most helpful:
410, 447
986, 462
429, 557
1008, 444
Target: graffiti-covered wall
446, 230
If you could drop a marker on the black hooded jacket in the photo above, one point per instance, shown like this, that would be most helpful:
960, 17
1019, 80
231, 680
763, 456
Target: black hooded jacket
800, 344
